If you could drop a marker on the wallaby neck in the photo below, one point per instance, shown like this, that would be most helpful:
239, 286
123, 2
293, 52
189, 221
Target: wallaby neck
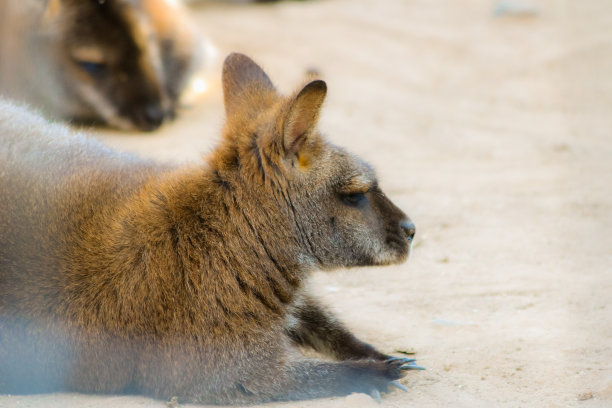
215, 234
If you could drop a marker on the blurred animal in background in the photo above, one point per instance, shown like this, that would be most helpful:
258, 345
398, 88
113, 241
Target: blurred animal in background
125, 63
118, 274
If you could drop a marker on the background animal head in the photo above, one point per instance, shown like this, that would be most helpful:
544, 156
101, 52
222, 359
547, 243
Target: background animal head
122, 62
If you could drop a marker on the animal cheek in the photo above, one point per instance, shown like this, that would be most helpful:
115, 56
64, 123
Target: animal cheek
359, 229
372, 220
332, 224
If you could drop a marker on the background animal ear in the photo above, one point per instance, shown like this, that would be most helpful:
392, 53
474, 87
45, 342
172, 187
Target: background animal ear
52, 11
241, 77
302, 116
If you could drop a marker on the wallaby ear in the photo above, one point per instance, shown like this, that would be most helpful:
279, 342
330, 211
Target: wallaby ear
302, 116
241, 76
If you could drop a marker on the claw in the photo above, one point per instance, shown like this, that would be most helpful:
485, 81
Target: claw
376, 395
411, 367
398, 385
402, 360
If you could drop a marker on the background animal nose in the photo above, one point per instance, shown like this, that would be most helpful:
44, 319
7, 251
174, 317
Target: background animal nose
149, 117
408, 229
154, 115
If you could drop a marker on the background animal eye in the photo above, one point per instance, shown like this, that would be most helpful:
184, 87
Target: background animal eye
354, 199
93, 68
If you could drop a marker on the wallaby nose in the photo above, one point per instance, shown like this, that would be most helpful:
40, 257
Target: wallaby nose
408, 229
151, 117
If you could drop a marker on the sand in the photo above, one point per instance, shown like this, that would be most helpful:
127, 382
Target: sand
493, 132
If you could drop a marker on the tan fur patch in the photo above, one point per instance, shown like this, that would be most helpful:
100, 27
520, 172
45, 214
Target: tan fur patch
53, 9
304, 160
91, 54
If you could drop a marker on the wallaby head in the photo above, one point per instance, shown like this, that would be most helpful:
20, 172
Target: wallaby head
123, 62
332, 199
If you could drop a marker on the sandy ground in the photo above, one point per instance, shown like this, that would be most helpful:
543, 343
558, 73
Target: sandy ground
494, 134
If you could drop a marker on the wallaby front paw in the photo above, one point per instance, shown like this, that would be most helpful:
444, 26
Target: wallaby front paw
402, 364
374, 377
407, 363
404, 360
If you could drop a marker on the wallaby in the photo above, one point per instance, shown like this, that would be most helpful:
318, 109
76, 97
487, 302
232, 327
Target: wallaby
120, 62
118, 274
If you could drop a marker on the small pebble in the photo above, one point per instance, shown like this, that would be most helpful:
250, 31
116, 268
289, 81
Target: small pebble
585, 396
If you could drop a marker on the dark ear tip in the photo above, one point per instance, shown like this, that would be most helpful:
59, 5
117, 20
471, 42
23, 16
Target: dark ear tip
234, 56
317, 84
235, 59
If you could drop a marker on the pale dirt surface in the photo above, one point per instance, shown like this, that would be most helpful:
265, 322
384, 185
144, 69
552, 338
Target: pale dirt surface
494, 134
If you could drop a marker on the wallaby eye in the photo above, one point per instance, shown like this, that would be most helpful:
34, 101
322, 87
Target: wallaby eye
354, 199
92, 68
89, 58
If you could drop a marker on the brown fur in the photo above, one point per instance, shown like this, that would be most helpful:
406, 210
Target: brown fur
121, 275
